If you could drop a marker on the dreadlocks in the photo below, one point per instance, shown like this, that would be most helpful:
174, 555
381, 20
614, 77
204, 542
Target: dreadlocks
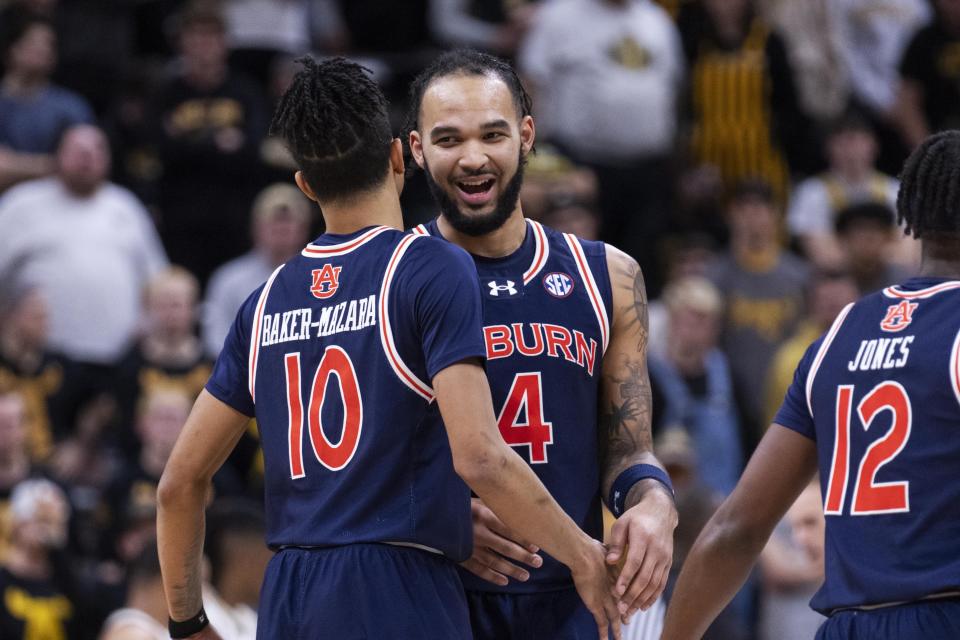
469, 63
333, 119
929, 198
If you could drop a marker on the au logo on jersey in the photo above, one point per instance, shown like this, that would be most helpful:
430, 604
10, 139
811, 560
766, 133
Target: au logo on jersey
559, 285
326, 280
899, 316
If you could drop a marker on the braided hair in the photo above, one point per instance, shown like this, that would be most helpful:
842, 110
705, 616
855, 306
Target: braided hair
929, 198
333, 119
465, 62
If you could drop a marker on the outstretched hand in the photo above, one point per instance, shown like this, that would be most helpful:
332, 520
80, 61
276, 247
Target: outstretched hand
496, 549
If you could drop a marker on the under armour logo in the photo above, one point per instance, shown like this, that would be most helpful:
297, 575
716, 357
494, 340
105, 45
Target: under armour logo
496, 288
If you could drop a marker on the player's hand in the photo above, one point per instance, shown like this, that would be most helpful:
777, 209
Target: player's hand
641, 542
494, 545
594, 585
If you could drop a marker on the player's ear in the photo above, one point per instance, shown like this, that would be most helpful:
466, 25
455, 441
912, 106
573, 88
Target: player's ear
416, 147
528, 134
396, 164
304, 186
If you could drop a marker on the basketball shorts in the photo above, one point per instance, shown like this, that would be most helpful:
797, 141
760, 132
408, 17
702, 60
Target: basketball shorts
926, 620
549, 615
362, 592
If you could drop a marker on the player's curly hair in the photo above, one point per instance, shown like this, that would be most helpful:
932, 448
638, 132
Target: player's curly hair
929, 198
334, 121
466, 62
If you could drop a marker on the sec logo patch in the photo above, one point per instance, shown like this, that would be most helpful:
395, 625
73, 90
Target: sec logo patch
557, 284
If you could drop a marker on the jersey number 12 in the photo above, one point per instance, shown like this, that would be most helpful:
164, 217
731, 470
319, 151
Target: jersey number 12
869, 496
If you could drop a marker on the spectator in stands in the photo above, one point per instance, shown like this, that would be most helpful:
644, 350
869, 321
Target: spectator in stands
692, 384
281, 218
763, 287
791, 567
89, 247
34, 113
209, 123
827, 293
872, 36
867, 235
28, 366
144, 615
929, 96
606, 75
15, 465
37, 592
497, 26
169, 354
745, 112
851, 178
258, 31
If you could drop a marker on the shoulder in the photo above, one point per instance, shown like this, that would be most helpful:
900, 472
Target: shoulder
617, 261
27, 193
438, 253
69, 101
124, 197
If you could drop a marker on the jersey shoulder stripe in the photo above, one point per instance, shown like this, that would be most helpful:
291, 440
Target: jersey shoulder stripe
822, 352
593, 291
255, 333
406, 376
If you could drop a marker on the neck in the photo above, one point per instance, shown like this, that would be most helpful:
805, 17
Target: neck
495, 244
689, 362
941, 255
14, 467
854, 175
171, 348
153, 460
206, 77
32, 564
23, 85
379, 207
149, 599
19, 352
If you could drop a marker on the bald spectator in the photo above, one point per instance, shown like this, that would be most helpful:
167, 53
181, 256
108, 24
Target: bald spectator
89, 246
281, 224
34, 113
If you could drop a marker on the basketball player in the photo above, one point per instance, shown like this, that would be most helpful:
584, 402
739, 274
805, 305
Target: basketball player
875, 404
565, 326
340, 356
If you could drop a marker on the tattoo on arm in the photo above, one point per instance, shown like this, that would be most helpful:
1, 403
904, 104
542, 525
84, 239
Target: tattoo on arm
626, 401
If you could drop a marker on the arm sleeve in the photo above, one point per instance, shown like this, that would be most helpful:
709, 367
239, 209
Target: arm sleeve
228, 382
794, 413
446, 293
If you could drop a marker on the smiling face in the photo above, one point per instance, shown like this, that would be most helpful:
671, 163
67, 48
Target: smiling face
471, 142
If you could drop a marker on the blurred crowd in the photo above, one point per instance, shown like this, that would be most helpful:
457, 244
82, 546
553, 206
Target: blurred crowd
743, 151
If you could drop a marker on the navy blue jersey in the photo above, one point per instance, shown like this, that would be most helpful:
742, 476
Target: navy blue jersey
546, 317
346, 339
880, 395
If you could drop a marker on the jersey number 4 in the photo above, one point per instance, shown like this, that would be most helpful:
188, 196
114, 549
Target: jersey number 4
335, 362
869, 496
526, 396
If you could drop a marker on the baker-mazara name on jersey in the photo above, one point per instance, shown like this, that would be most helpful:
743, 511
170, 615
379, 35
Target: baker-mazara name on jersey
299, 324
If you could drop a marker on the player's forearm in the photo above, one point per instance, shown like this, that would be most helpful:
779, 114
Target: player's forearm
180, 531
514, 493
718, 565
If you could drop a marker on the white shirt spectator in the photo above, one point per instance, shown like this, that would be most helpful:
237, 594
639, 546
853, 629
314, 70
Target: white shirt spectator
606, 77
281, 25
89, 256
872, 36
229, 286
816, 200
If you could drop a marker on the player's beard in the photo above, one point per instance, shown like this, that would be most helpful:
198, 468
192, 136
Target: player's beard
476, 224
